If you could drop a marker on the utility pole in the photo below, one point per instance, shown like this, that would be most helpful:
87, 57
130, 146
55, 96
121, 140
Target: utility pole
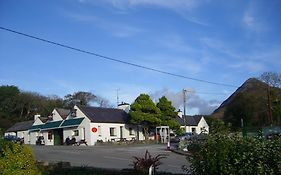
184, 105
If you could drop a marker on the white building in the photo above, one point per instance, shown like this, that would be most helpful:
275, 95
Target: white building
87, 124
91, 125
20, 130
195, 124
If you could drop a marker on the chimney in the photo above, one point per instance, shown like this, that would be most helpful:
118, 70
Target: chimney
36, 116
180, 113
124, 106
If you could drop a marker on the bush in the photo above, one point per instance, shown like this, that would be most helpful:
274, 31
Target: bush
225, 154
16, 159
142, 164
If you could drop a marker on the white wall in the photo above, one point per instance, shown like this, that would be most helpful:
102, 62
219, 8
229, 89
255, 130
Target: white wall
56, 115
10, 133
48, 141
69, 132
103, 132
38, 121
33, 137
202, 125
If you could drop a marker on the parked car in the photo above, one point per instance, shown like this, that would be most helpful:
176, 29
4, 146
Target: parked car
185, 136
273, 136
13, 138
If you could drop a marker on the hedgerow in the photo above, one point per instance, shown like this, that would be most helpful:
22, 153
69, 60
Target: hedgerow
231, 154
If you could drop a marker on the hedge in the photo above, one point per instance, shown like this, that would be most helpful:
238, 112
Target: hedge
226, 154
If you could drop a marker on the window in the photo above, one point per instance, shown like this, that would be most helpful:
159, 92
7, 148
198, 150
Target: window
112, 131
193, 130
131, 132
75, 132
50, 135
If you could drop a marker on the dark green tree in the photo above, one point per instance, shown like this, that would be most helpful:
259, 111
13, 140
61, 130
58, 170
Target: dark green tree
144, 112
276, 111
216, 125
245, 107
8, 96
168, 113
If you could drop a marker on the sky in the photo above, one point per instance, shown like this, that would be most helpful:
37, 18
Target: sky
217, 41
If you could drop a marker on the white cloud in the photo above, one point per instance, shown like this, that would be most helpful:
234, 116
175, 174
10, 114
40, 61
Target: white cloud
175, 42
249, 65
175, 4
114, 28
194, 102
181, 7
255, 58
220, 46
248, 20
252, 23
252, 19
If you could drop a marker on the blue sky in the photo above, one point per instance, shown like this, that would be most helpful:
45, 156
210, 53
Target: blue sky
219, 41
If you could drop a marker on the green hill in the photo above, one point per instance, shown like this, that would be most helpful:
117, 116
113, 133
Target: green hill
249, 102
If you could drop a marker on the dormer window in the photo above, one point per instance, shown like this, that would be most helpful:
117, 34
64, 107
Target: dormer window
50, 117
73, 113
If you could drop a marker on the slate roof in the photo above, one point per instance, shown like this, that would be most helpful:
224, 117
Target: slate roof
36, 127
105, 115
190, 120
21, 126
63, 112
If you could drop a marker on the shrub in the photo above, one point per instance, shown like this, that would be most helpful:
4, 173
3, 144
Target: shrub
142, 164
16, 159
225, 154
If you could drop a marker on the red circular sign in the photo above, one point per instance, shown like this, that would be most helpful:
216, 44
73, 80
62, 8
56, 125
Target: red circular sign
94, 129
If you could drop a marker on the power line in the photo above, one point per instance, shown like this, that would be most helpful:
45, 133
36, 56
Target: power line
210, 93
114, 59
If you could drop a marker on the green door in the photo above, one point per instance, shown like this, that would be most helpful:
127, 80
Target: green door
58, 137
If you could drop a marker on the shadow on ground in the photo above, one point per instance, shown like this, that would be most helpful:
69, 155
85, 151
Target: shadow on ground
64, 168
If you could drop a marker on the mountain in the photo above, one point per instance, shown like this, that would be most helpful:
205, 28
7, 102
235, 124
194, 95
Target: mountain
249, 102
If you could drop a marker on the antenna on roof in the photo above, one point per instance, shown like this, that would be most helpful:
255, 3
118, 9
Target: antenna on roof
117, 94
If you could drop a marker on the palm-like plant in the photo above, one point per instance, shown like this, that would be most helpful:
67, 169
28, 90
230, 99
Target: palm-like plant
142, 164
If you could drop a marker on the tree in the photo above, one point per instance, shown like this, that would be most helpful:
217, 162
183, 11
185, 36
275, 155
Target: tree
102, 102
244, 107
80, 97
276, 107
168, 113
144, 112
8, 95
216, 125
273, 80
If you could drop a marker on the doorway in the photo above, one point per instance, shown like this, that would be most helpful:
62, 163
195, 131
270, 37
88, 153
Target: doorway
58, 137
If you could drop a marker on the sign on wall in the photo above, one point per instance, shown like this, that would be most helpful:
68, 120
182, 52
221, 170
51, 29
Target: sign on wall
94, 129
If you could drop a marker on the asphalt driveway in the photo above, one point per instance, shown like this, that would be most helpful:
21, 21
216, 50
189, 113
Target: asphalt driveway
112, 157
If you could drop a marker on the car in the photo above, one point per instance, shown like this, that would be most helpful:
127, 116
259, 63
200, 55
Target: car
273, 136
13, 138
185, 136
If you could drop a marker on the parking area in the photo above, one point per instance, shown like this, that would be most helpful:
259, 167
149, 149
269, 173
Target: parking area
112, 157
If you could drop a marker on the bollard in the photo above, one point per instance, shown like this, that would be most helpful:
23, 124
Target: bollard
168, 145
151, 170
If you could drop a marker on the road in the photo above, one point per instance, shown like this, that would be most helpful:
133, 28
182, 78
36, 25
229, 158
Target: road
112, 157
